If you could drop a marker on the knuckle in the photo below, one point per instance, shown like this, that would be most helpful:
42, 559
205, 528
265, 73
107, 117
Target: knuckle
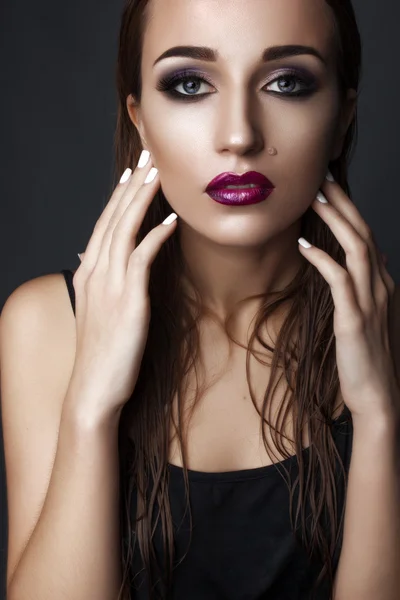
138, 259
383, 294
363, 249
95, 278
91, 283
342, 278
78, 277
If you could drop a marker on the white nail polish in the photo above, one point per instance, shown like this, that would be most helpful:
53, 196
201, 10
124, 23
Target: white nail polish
144, 159
321, 198
151, 175
329, 176
172, 217
126, 175
303, 242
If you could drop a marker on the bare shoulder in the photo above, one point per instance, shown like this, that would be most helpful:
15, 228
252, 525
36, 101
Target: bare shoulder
39, 291
40, 309
37, 328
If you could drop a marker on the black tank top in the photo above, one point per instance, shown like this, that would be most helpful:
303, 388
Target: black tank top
242, 546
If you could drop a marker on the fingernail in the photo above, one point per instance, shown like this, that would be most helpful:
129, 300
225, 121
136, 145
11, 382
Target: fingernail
144, 159
172, 217
321, 198
151, 175
126, 175
79, 256
303, 242
329, 176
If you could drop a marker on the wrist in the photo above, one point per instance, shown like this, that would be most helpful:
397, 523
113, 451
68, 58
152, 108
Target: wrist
381, 424
88, 413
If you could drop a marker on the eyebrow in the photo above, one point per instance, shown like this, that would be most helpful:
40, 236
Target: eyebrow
210, 55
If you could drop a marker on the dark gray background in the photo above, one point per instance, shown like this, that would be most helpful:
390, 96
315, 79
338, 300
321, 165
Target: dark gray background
58, 109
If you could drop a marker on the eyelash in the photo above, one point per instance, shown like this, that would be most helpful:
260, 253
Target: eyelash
166, 84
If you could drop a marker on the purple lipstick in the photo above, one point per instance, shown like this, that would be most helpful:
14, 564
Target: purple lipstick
250, 188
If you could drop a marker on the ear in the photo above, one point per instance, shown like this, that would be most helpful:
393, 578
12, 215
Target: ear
346, 117
134, 112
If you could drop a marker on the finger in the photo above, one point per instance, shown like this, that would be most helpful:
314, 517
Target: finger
387, 278
92, 248
365, 267
140, 261
134, 184
347, 310
358, 263
126, 185
123, 241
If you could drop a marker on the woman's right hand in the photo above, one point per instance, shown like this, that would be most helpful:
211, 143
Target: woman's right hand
112, 300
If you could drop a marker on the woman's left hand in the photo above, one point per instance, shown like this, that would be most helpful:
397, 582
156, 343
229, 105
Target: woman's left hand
362, 297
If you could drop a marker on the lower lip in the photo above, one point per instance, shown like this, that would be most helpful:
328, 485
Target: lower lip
240, 197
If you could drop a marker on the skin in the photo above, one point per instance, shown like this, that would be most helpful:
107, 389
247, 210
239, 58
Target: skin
235, 252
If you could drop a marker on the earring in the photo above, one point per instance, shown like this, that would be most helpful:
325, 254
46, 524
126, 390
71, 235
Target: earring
272, 151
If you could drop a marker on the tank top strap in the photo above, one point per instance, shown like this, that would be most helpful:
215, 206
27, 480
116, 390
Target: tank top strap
68, 275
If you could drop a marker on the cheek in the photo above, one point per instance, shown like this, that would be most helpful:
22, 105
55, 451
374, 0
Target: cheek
308, 131
180, 171
307, 148
169, 146
181, 153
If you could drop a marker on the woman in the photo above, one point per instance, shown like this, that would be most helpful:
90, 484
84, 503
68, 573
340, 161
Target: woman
248, 326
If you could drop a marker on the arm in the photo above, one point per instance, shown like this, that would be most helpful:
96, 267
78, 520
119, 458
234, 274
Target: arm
61, 467
369, 565
73, 553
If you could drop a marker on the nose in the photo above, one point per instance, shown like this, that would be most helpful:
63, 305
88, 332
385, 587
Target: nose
239, 128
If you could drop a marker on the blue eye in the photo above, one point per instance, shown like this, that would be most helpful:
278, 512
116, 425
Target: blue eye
168, 83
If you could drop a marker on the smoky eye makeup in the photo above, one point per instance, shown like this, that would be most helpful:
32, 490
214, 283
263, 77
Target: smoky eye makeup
304, 78
172, 79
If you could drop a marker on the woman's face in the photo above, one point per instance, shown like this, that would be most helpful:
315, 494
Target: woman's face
199, 129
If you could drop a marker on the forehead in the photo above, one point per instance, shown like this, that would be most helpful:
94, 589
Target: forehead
238, 28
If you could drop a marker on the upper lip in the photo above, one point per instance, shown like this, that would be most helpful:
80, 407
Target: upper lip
224, 179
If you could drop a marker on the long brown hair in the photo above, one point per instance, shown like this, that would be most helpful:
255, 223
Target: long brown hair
173, 346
